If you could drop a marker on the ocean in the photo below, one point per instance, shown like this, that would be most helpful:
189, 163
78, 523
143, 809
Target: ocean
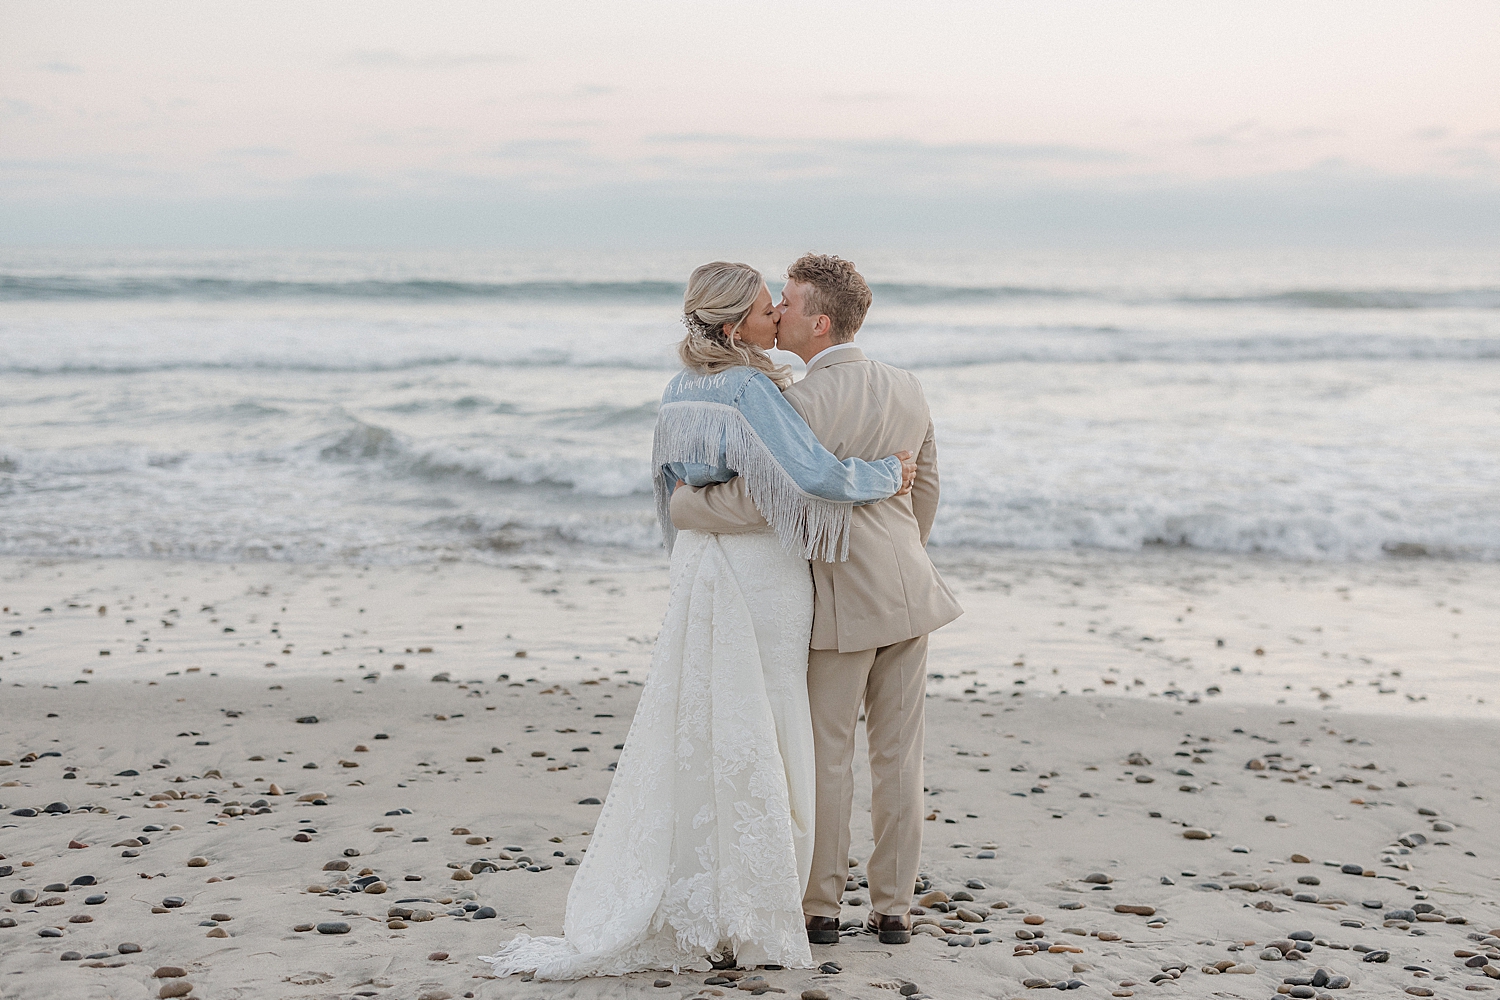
399, 407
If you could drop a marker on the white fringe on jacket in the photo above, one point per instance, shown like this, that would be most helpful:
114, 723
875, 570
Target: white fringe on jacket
691, 431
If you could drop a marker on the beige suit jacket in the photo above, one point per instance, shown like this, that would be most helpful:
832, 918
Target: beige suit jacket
887, 591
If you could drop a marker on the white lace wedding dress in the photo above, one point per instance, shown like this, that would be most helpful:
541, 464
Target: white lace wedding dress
704, 844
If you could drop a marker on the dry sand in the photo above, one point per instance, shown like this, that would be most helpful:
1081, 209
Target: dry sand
1046, 781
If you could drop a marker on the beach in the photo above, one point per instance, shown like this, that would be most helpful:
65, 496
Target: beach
1085, 725
335, 564
1223, 526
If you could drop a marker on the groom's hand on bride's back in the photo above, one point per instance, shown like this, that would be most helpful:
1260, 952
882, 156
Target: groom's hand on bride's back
908, 472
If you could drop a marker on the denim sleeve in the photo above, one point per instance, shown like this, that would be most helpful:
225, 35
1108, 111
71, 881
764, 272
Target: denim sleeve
813, 467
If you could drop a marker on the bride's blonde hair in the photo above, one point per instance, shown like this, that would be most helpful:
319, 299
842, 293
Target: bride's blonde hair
722, 293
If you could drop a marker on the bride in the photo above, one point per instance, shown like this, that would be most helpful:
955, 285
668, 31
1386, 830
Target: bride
704, 845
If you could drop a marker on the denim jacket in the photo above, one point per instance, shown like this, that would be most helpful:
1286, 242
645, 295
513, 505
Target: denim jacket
712, 428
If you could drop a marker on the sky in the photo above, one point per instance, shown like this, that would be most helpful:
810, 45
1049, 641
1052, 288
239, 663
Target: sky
495, 123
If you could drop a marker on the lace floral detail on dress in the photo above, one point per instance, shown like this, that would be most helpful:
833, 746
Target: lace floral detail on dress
704, 842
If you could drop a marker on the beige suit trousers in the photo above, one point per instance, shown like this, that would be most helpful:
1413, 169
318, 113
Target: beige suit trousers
891, 685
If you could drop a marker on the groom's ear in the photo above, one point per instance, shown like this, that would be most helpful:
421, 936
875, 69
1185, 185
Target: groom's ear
822, 326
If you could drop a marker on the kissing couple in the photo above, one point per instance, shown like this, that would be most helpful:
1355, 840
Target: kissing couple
801, 599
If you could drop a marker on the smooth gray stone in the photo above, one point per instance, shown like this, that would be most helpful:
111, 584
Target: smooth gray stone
333, 927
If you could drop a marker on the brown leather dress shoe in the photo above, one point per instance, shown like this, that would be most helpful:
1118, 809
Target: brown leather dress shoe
893, 929
822, 930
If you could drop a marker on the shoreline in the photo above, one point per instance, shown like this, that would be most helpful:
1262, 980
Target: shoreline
1408, 637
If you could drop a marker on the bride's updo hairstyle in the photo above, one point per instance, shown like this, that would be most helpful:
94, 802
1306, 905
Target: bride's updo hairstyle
720, 295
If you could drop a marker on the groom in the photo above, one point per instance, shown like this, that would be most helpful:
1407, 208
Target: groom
872, 613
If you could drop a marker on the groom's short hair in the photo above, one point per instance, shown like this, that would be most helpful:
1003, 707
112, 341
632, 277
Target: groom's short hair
835, 290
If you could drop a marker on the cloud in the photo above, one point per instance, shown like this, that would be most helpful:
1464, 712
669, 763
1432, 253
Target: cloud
1471, 158
582, 92
537, 149
885, 163
704, 138
257, 151
906, 149
392, 59
1321, 208
57, 66
863, 97
1253, 133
